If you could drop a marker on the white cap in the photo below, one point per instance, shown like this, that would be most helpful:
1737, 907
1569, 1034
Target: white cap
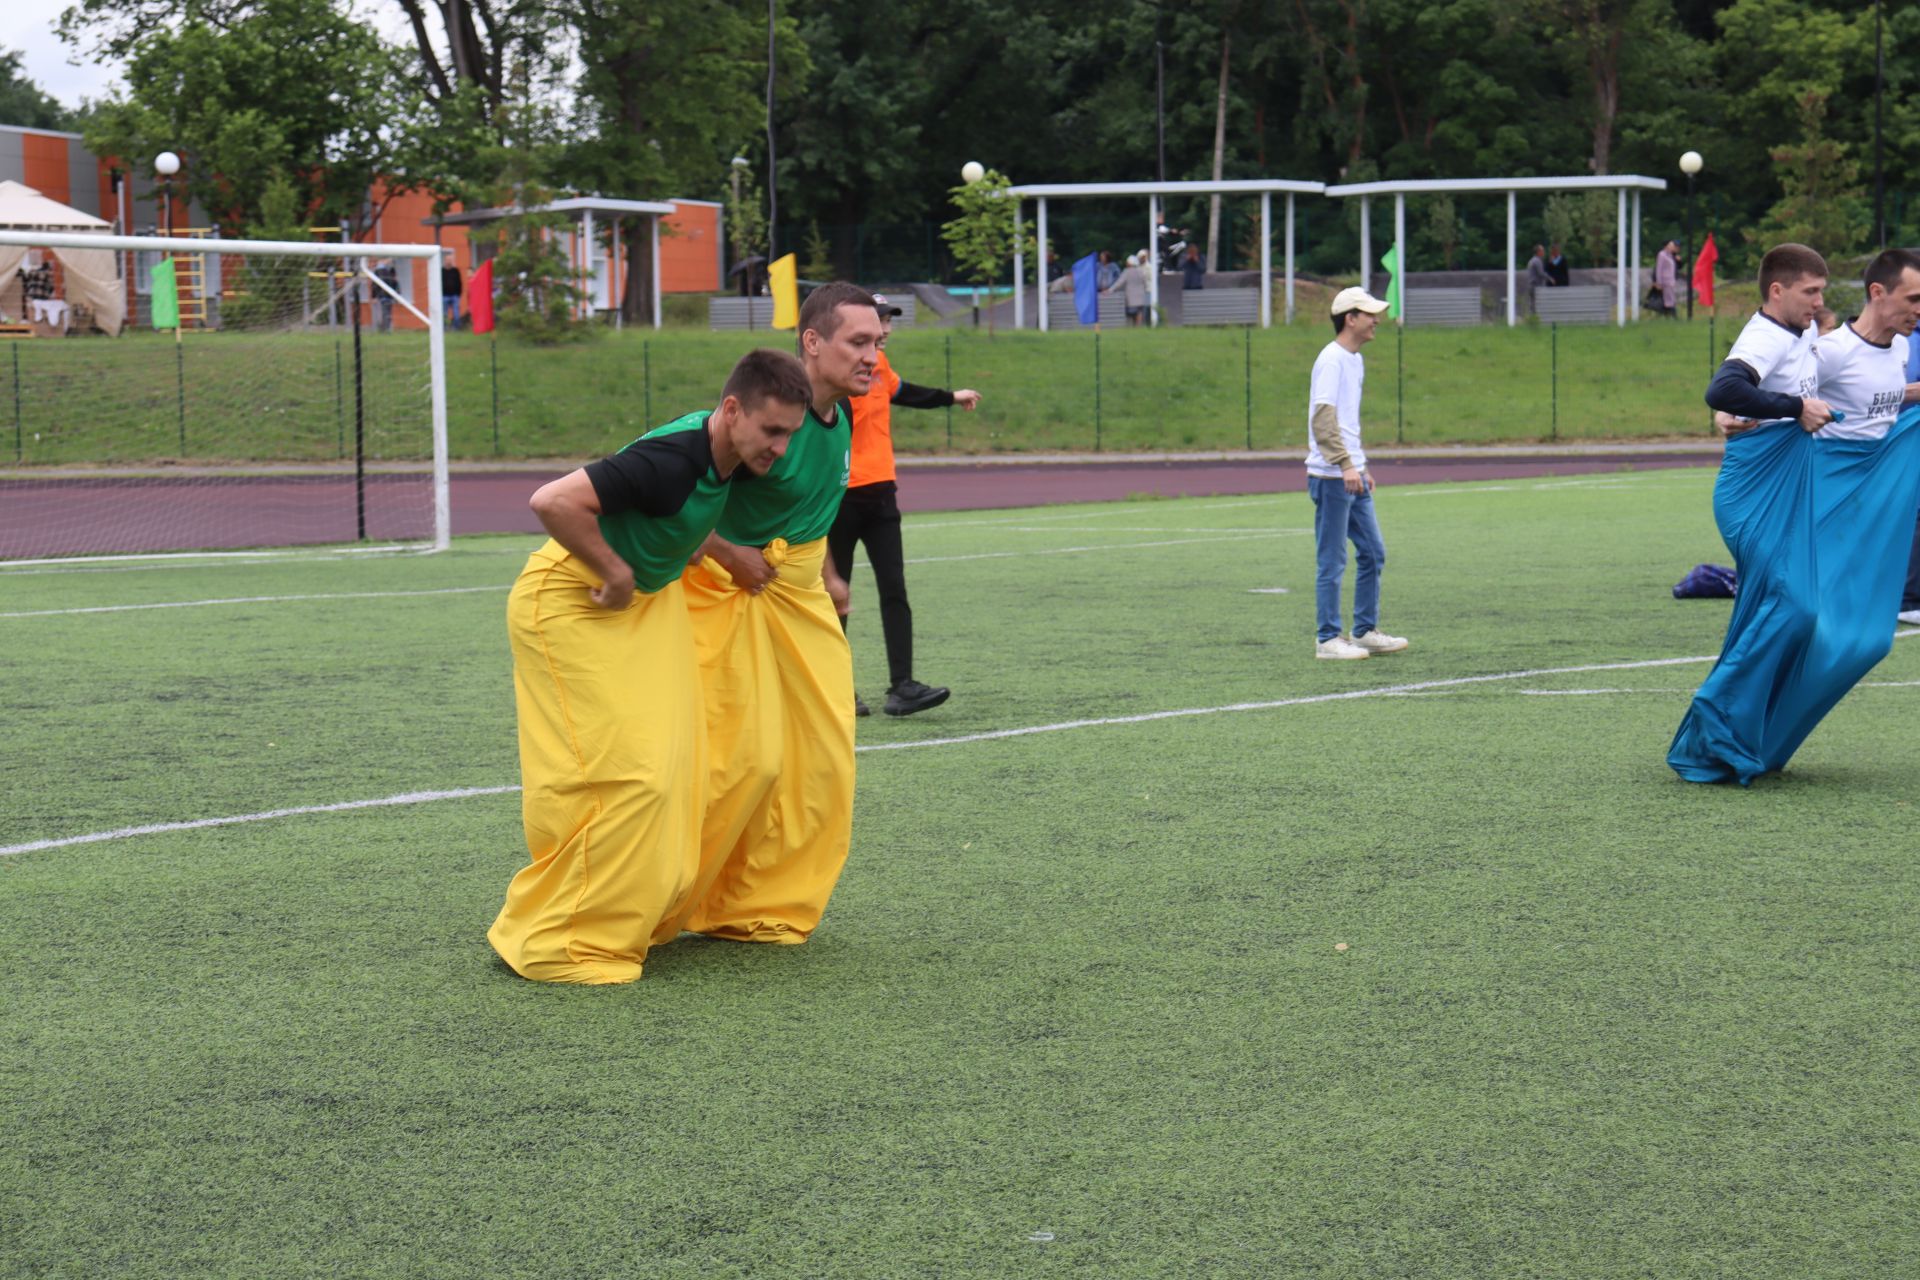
1356, 299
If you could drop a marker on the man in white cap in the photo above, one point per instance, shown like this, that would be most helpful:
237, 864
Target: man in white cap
1342, 487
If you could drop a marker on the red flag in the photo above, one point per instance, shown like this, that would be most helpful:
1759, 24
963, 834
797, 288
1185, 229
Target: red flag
1703, 272
480, 298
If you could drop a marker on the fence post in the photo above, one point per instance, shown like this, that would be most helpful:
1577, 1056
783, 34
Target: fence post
1399, 385
1096, 386
1554, 363
19, 438
1247, 333
493, 381
949, 386
646, 377
180, 387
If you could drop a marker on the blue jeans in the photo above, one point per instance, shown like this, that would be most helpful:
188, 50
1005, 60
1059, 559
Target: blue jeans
1339, 516
452, 308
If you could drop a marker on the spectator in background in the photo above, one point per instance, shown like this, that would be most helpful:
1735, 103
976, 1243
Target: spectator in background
1537, 269
1132, 286
389, 275
1108, 273
1666, 278
450, 291
1193, 269
1558, 273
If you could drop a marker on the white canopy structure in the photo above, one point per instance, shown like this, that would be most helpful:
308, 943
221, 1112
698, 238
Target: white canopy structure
1622, 183
581, 209
1265, 188
91, 276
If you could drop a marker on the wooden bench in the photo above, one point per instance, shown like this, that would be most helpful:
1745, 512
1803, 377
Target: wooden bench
16, 331
1443, 306
1575, 304
732, 313
1220, 306
1061, 313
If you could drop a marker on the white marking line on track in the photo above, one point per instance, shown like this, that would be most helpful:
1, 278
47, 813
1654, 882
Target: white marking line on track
428, 797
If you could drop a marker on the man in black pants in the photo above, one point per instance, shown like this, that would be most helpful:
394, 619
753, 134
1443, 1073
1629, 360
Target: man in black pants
870, 515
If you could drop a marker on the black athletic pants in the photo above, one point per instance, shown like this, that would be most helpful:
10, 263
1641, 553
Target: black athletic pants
870, 515
1911, 600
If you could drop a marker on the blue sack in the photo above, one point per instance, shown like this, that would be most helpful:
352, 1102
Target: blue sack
1707, 582
1820, 531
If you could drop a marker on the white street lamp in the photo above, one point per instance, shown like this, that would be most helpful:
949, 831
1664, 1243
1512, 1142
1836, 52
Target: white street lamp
166, 164
972, 171
1690, 164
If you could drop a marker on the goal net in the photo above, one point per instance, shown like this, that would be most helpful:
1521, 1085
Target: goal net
166, 396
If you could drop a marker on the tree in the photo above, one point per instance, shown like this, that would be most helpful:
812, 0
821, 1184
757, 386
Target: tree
1822, 203
666, 93
536, 297
983, 235
24, 103
290, 88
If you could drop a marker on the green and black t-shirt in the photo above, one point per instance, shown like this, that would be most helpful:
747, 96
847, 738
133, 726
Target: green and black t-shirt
798, 499
659, 498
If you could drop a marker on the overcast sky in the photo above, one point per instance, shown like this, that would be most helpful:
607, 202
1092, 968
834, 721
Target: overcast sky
27, 25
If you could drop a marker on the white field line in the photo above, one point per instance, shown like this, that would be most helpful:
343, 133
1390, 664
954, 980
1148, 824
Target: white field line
158, 828
407, 548
195, 604
504, 586
428, 797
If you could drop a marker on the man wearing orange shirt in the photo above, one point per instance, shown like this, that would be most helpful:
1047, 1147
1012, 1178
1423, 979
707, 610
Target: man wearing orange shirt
870, 515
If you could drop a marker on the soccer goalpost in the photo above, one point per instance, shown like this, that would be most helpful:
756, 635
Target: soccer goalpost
298, 400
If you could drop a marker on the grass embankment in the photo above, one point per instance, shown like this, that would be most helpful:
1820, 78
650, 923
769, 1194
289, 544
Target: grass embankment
230, 397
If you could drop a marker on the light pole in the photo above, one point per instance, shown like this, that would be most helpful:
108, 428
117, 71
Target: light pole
166, 164
971, 172
1690, 164
740, 165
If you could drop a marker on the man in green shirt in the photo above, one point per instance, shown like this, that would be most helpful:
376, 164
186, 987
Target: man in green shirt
775, 667
612, 742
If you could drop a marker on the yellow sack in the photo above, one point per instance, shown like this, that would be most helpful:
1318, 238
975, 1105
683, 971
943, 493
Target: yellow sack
613, 760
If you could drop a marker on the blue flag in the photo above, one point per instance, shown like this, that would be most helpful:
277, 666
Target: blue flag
1086, 288
1820, 531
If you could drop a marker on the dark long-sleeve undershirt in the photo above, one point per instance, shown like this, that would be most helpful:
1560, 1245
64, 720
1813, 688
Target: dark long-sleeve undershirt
1736, 390
913, 396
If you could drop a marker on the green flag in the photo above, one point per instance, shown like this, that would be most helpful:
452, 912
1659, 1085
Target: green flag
166, 296
1391, 261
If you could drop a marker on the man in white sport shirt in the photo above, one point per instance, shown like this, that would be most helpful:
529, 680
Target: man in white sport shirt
1342, 487
1862, 365
1771, 373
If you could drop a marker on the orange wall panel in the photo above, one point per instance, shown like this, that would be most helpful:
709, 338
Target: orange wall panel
46, 166
689, 249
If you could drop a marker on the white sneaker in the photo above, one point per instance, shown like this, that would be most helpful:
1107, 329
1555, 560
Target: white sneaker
1339, 647
1380, 642
1909, 617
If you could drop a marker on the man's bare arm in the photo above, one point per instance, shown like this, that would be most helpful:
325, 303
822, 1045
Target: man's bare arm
569, 510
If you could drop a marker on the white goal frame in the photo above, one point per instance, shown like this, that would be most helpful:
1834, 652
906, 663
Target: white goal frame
358, 254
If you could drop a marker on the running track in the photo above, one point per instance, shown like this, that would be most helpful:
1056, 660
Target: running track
106, 513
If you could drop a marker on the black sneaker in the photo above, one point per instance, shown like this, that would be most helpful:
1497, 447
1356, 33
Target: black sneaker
910, 696
860, 708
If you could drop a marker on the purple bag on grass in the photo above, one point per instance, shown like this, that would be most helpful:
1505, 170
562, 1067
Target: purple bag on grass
1707, 582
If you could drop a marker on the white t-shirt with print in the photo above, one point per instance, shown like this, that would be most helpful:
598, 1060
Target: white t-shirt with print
1865, 382
1783, 360
1337, 376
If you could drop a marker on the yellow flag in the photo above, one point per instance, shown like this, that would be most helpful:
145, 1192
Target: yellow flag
783, 277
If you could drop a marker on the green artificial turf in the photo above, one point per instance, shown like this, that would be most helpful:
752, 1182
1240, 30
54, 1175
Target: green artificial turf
1080, 984
236, 398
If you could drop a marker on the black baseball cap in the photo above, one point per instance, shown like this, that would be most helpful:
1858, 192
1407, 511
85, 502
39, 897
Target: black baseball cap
884, 307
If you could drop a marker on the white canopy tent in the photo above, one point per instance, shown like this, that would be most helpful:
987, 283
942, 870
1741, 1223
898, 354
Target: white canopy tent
581, 209
1265, 188
91, 276
1622, 183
